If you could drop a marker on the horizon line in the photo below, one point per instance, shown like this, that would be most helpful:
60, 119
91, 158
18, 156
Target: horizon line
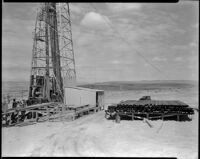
108, 81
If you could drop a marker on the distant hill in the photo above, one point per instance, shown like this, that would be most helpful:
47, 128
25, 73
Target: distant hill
141, 85
10, 86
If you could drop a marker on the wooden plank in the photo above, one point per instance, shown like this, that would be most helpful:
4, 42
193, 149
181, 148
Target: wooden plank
86, 110
25, 123
78, 106
39, 105
43, 118
30, 107
165, 115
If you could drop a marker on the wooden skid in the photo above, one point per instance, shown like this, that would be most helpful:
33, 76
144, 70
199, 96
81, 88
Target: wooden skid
51, 112
145, 115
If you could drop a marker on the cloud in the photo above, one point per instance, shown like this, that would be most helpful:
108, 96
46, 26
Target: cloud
159, 59
178, 59
193, 44
75, 8
161, 33
21, 28
115, 62
95, 20
118, 7
196, 26
17, 46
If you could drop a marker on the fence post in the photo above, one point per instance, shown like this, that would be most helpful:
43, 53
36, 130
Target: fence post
178, 117
60, 113
36, 118
132, 116
147, 115
117, 118
17, 117
48, 114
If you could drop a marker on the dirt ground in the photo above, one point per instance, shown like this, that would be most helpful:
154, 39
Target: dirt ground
93, 135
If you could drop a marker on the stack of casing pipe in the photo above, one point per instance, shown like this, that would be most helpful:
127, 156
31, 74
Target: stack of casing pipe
154, 107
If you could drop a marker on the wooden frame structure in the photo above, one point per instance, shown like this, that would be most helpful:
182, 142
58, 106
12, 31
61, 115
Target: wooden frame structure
49, 112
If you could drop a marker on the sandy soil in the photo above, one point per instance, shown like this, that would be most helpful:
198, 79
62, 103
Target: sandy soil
93, 135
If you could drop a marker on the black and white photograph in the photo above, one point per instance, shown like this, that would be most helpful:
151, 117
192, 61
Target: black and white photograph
100, 79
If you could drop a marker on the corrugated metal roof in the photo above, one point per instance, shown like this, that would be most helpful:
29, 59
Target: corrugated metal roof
87, 89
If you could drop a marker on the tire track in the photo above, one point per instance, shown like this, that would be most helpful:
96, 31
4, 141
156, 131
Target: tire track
70, 140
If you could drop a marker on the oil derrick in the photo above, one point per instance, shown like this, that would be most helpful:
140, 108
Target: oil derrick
53, 64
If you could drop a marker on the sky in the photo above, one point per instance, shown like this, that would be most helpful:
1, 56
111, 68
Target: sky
112, 41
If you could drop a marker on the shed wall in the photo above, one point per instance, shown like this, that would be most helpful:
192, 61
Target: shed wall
79, 97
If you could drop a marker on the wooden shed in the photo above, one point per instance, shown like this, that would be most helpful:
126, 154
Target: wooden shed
78, 96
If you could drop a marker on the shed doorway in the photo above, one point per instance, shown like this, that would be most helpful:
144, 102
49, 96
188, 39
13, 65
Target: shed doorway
99, 99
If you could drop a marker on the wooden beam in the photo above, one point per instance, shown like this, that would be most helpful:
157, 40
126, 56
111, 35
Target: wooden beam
36, 118
132, 116
17, 119
48, 114
147, 115
178, 117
